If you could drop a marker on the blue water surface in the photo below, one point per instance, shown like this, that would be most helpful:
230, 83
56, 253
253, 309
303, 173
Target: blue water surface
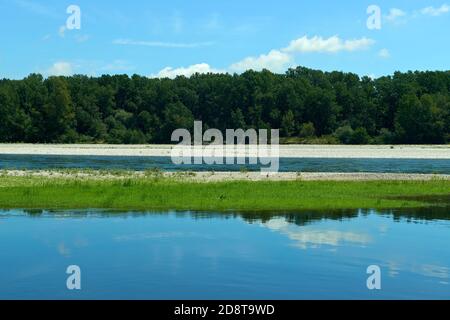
430, 166
187, 255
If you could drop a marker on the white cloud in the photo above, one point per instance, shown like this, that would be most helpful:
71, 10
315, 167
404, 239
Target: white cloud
160, 44
275, 60
395, 14
399, 16
432, 11
89, 67
279, 60
60, 68
172, 73
331, 45
384, 53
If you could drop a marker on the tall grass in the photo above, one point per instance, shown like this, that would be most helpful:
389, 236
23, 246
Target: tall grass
158, 193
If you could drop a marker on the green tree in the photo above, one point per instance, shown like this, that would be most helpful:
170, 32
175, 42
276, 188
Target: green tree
411, 107
176, 116
59, 116
13, 121
288, 125
417, 120
237, 119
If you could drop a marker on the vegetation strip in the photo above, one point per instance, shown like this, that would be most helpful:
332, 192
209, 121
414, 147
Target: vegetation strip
308, 106
156, 192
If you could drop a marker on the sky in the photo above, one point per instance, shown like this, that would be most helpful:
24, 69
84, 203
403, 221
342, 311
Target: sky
178, 37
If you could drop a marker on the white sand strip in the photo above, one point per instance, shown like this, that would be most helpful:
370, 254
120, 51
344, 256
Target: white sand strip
292, 176
286, 151
231, 176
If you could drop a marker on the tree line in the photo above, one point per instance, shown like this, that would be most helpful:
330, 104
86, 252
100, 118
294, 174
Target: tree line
308, 106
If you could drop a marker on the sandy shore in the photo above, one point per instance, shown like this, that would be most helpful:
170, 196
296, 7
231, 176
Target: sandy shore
229, 176
286, 151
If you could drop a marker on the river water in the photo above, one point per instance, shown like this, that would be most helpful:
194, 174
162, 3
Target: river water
188, 255
35, 162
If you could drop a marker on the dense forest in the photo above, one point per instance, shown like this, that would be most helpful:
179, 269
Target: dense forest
308, 106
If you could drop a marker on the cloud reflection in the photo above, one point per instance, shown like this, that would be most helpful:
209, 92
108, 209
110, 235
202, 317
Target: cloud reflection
434, 271
306, 237
63, 250
160, 235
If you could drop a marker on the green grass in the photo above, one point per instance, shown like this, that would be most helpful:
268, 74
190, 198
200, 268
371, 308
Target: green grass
157, 193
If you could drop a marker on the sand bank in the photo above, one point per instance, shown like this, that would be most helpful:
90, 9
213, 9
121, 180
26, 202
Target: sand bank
286, 151
228, 176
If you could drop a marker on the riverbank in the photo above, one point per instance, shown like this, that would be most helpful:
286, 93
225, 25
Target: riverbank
286, 151
207, 177
157, 192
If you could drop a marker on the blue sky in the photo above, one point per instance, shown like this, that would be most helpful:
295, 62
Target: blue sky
166, 38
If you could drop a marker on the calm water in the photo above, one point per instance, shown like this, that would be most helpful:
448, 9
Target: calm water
286, 164
233, 256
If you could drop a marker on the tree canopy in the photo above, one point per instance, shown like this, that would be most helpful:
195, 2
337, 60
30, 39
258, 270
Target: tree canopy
307, 106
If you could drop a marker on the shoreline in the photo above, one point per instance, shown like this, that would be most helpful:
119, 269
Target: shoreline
436, 152
210, 177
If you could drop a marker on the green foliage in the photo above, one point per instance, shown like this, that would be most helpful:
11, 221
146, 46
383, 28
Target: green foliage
385, 137
308, 106
344, 134
238, 119
59, 116
307, 130
360, 136
14, 123
177, 116
347, 135
419, 120
288, 124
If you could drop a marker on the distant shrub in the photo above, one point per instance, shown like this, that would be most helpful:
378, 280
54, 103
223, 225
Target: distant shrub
385, 137
307, 130
344, 134
360, 136
347, 135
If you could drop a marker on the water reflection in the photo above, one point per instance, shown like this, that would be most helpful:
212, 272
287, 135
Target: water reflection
299, 218
314, 238
198, 255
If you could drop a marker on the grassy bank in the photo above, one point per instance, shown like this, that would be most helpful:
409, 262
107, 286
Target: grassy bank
153, 193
